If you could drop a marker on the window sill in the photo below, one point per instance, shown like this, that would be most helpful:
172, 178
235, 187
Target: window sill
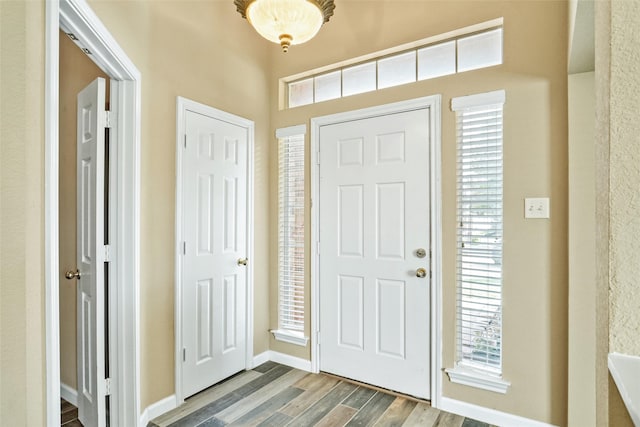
474, 378
290, 337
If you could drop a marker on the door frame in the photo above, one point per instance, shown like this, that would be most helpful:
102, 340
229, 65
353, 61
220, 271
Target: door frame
182, 106
433, 105
77, 17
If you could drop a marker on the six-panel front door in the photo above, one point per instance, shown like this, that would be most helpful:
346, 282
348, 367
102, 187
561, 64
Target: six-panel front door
90, 254
214, 224
374, 245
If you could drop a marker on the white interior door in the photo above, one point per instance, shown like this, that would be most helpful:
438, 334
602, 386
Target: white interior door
374, 227
214, 228
91, 254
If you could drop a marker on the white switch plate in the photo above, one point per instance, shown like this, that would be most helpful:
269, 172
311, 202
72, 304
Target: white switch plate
536, 207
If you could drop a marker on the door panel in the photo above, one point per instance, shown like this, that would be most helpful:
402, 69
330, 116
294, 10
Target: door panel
90, 253
374, 215
214, 228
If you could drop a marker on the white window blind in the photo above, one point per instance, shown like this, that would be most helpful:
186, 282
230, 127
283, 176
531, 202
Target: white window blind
291, 232
479, 230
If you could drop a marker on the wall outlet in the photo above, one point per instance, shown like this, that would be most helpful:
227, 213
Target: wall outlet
536, 207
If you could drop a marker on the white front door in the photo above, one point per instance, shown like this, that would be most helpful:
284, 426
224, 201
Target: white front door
90, 254
374, 241
214, 229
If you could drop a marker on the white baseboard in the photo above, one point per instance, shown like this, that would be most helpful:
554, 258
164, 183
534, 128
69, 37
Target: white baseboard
169, 403
294, 362
69, 394
260, 358
487, 415
156, 409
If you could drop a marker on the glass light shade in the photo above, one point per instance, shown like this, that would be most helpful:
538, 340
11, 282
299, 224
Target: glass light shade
286, 22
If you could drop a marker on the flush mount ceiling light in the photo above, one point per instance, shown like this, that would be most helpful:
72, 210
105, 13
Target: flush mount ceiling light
286, 22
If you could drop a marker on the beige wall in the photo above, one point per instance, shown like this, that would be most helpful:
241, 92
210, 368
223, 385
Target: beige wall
582, 242
187, 49
534, 76
76, 72
618, 103
194, 52
22, 399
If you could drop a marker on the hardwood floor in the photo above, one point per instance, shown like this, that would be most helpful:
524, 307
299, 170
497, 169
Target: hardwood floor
277, 395
68, 415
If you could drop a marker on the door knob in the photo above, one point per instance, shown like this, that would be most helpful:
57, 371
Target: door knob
421, 273
70, 275
242, 261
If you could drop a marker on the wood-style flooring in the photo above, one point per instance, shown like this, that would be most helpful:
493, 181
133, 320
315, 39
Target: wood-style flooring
276, 395
68, 415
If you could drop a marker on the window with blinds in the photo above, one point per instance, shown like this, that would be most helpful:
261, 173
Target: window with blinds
479, 230
291, 230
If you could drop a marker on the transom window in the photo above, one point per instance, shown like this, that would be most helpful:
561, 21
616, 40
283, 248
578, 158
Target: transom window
459, 51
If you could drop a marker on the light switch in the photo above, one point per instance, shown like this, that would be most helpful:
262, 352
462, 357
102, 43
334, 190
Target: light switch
536, 207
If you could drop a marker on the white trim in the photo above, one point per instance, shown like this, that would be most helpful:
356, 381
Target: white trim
291, 131
469, 101
474, 378
294, 362
486, 415
260, 358
159, 408
69, 394
290, 337
183, 105
170, 403
433, 104
77, 17
435, 181
284, 359
51, 220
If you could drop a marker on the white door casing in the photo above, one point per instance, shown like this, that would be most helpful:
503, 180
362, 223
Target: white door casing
374, 215
90, 253
76, 17
213, 233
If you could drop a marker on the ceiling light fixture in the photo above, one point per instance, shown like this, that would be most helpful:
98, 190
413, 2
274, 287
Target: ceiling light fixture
286, 22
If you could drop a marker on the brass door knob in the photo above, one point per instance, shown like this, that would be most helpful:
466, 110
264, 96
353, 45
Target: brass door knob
70, 275
242, 261
421, 273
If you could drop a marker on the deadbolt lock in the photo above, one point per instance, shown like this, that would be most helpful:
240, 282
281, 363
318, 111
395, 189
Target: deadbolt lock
421, 253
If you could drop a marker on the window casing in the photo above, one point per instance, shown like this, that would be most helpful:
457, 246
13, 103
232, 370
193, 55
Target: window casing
479, 226
291, 272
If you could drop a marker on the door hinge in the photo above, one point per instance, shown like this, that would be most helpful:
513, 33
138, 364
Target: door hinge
185, 140
184, 248
107, 119
107, 253
318, 157
107, 386
184, 354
